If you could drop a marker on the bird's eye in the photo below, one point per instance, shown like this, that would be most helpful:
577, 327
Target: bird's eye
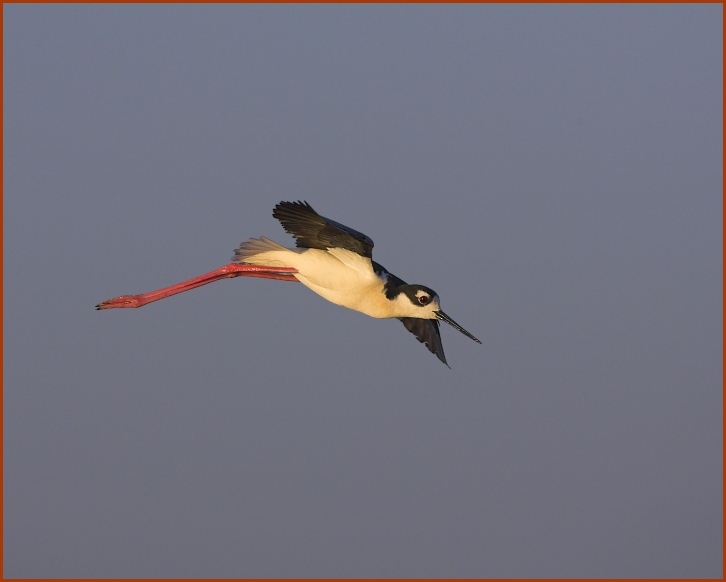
424, 299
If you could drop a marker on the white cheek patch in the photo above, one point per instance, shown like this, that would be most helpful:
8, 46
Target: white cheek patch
433, 301
405, 306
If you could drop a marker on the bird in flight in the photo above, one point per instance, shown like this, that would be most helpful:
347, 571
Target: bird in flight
334, 261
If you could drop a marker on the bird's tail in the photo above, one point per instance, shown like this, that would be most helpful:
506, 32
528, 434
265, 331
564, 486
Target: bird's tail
262, 251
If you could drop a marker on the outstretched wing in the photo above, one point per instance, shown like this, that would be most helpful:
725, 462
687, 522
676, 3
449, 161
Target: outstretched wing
312, 231
427, 332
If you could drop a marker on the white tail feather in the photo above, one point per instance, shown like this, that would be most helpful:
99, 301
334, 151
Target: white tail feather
262, 251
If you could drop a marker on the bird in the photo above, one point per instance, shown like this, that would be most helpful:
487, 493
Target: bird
334, 261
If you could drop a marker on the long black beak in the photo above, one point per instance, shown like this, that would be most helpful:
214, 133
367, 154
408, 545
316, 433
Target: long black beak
443, 317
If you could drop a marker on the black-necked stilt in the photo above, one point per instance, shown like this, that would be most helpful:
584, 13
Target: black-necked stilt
333, 260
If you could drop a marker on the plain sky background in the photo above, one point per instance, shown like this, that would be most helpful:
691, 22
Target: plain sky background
553, 172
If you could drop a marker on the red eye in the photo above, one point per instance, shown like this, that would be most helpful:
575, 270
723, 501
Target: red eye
424, 299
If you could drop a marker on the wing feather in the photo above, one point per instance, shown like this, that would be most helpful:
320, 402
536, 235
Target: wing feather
427, 332
312, 231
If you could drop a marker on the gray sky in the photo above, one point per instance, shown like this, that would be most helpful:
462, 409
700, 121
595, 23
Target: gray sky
553, 172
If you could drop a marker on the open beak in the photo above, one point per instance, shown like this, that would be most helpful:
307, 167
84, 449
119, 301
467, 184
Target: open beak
443, 317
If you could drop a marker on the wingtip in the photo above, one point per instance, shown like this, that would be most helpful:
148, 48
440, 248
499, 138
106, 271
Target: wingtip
440, 355
294, 204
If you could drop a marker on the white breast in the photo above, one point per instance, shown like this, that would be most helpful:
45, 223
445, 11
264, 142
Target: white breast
344, 278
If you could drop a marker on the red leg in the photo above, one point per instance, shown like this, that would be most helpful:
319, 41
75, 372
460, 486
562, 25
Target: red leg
226, 272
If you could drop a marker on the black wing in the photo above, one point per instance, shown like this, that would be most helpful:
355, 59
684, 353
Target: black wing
427, 332
312, 231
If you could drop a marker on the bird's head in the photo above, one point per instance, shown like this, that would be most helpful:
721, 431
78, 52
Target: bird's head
422, 302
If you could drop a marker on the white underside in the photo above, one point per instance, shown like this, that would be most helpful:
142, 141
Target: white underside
340, 276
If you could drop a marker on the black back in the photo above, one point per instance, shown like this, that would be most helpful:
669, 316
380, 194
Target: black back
312, 231
392, 283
